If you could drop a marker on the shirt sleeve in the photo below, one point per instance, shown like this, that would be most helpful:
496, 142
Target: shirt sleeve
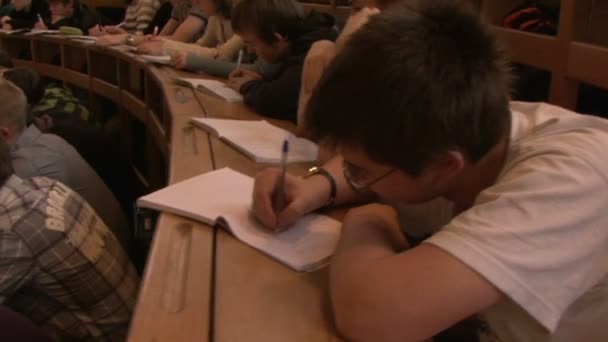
277, 98
539, 234
17, 265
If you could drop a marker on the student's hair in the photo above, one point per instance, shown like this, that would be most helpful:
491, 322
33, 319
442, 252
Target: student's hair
13, 105
28, 81
414, 82
5, 60
224, 7
267, 17
6, 166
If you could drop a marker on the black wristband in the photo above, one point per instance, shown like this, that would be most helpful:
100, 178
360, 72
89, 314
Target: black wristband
333, 188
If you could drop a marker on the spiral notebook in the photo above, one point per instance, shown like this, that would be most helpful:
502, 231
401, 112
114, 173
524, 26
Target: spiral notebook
259, 140
224, 197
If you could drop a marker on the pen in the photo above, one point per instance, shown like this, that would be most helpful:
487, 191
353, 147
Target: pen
121, 24
239, 59
155, 33
40, 20
279, 192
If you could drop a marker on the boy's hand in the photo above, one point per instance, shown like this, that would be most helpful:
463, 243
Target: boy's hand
114, 30
150, 47
97, 31
301, 197
178, 60
241, 76
4, 20
40, 26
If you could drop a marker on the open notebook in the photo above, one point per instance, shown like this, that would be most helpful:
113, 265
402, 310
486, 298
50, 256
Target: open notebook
259, 140
224, 196
212, 87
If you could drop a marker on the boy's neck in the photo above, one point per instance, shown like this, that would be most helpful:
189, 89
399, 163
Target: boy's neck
474, 178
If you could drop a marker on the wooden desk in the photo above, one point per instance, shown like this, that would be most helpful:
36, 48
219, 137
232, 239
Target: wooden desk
256, 298
199, 284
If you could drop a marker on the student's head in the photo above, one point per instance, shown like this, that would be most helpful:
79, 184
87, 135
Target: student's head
27, 80
357, 5
268, 26
6, 166
13, 111
62, 8
415, 96
5, 60
21, 5
221, 8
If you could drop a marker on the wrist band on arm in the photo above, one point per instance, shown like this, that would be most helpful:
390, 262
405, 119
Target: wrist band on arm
333, 189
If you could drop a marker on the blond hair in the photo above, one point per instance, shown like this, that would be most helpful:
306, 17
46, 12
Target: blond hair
13, 105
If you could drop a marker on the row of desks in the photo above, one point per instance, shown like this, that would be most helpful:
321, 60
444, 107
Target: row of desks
200, 283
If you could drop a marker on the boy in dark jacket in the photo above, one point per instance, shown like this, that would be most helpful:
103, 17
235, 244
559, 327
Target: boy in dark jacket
279, 32
25, 14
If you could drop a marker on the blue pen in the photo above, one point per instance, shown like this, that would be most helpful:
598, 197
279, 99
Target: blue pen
279, 192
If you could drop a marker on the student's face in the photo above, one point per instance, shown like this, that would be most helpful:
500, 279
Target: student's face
271, 53
59, 9
20, 4
207, 7
387, 182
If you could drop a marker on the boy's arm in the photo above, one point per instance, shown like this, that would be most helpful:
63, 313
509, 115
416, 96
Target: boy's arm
276, 98
381, 291
187, 30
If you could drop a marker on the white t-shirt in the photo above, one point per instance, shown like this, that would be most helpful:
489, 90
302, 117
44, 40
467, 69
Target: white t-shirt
540, 234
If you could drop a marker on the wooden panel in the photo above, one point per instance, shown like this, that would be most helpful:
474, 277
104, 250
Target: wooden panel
539, 51
256, 298
587, 63
133, 105
105, 89
174, 300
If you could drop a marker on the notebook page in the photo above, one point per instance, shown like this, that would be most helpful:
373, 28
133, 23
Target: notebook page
262, 140
216, 87
226, 193
309, 241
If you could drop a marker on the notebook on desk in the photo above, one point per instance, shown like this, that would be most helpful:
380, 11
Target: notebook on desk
212, 87
259, 140
14, 31
224, 196
164, 60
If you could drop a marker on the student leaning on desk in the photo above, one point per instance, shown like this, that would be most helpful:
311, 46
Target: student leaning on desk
525, 246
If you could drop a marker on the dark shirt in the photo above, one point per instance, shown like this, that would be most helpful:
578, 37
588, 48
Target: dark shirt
84, 18
28, 18
277, 97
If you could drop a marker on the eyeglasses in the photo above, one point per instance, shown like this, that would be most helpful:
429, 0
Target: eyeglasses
358, 178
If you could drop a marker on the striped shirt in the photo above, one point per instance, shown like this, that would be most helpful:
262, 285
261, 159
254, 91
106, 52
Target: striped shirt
60, 265
139, 14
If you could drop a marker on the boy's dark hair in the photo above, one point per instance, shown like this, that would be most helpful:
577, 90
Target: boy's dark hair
6, 166
414, 82
224, 7
5, 60
27, 80
267, 17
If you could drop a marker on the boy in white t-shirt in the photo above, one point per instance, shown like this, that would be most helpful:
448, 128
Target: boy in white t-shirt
513, 196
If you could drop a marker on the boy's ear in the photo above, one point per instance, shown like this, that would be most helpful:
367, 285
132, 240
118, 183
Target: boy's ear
448, 163
4, 133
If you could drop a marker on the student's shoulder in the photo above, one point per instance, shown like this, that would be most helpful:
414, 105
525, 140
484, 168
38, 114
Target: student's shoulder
545, 129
